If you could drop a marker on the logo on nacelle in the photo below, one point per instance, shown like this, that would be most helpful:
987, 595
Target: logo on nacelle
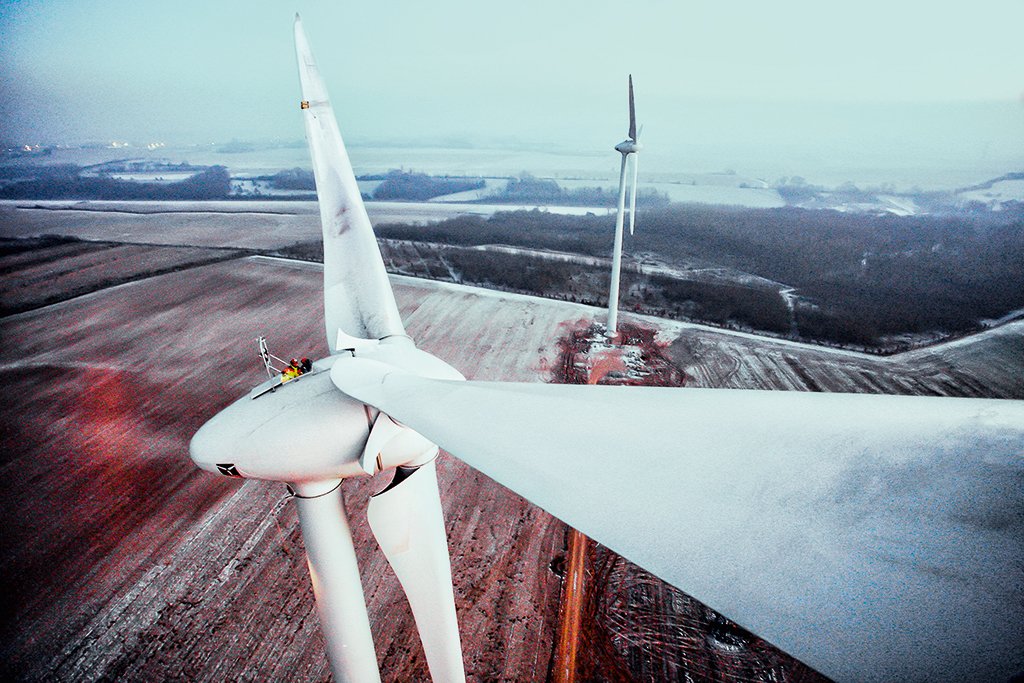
228, 470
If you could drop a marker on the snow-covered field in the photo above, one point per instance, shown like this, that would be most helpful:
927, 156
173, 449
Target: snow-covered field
661, 166
1000, 193
753, 197
253, 224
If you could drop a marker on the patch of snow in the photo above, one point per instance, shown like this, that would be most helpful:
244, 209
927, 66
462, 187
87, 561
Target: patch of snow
899, 205
1000, 193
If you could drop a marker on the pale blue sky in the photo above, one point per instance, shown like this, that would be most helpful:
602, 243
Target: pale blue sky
706, 71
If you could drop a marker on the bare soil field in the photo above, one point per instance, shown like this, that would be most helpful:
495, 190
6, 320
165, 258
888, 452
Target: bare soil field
120, 560
986, 365
239, 224
245, 225
45, 273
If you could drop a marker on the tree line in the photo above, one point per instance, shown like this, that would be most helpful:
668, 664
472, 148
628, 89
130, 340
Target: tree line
65, 181
421, 187
527, 189
858, 277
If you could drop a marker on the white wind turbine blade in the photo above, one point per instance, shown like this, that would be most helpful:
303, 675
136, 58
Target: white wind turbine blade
632, 112
408, 523
357, 293
336, 585
632, 192
633, 188
876, 538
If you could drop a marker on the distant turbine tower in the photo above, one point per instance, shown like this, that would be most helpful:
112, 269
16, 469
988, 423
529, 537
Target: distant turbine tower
625, 148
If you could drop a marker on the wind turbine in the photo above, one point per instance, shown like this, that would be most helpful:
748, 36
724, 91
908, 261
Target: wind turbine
873, 537
629, 146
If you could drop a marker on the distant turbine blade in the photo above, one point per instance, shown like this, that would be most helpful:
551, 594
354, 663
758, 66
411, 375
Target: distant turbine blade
336, 585
408, 523
632, 112
876, 538
632, 192
357, 293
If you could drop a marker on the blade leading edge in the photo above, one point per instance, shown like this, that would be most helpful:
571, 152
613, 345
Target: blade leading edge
873, 537
632, 112
357, 294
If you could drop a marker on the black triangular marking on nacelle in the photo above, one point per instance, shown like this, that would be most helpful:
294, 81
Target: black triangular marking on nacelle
228, 470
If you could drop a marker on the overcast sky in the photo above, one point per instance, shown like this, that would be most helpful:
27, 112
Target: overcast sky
208, 70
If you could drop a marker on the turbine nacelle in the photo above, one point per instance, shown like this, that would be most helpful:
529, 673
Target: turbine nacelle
628, 147
306, 430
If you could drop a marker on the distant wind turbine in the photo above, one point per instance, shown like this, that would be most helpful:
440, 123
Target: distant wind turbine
629, 146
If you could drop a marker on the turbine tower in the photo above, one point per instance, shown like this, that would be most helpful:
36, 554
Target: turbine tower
629, 146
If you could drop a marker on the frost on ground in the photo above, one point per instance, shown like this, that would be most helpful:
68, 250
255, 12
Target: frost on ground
121, 560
